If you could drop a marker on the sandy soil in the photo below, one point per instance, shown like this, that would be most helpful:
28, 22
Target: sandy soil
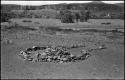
103, 64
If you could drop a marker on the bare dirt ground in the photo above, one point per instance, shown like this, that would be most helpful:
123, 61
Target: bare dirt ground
103, 64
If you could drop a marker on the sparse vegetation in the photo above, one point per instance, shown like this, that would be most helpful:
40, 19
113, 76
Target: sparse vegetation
5, 16
40, 26
27, 21
16, 11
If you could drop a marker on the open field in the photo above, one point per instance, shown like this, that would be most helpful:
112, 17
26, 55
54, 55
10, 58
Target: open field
20, 34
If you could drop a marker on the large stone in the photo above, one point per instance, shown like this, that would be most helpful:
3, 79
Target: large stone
50, 54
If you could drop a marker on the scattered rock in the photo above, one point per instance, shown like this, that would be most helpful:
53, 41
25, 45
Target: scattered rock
8, 41
26, 20
84, 51
106, 23
102, 47
51, 54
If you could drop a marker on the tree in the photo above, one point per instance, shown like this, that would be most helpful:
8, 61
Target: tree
66, 16
5, 16
82, 16
77, 16
87, 15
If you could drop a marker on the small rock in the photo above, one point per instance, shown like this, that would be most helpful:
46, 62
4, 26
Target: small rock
64, 59
29, 49
43, 54
71, 55
60, 62
102, 47
8, 41
50, 54
49, 59
84, 51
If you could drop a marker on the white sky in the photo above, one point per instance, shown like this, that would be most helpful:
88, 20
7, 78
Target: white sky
51, 2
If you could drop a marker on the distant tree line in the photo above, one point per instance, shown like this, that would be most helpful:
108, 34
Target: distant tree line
66, 16
5, 16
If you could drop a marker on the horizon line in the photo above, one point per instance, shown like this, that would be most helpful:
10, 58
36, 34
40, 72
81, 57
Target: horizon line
38, 3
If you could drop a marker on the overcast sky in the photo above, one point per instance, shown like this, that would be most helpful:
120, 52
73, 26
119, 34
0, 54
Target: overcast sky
51, 2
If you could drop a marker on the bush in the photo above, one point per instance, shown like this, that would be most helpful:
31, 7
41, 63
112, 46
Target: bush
26, 20
66, 17
5, 16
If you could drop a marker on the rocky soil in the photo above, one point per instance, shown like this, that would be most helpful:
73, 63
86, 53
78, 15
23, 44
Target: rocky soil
103, 63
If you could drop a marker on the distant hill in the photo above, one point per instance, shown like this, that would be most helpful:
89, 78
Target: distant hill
10, 7
97, 8
120, 4
93, 6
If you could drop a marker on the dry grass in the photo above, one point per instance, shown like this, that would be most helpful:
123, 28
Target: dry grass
92, 23
99, 65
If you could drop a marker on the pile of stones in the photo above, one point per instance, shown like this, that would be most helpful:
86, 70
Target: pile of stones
51, 54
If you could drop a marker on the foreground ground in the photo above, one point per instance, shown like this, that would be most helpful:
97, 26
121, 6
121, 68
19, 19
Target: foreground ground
105, 63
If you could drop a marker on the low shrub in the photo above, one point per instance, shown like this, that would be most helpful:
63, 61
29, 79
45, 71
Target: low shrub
26, 20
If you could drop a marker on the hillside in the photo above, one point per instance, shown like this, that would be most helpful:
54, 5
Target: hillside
94, 6
120, 4
97, 8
